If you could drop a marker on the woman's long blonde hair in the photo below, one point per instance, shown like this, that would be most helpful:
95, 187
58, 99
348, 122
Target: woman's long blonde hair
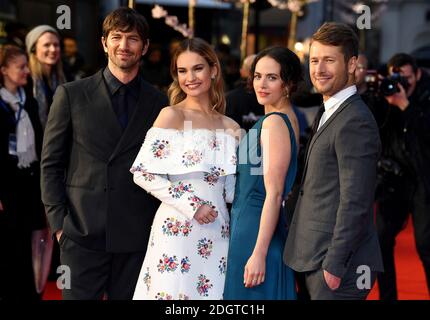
216, 91
36, 67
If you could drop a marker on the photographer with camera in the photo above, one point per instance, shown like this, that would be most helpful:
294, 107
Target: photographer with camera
404, 166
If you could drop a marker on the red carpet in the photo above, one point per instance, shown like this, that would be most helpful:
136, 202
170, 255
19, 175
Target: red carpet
411, 283
410, 273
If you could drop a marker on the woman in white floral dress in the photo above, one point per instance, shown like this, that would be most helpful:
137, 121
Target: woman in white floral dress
188, 161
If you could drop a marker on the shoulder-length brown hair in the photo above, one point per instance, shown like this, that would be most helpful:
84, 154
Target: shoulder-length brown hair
216, 91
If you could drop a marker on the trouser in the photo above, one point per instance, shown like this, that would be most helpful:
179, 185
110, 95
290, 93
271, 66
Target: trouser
16, 268
392, 213
348, 289
95, 275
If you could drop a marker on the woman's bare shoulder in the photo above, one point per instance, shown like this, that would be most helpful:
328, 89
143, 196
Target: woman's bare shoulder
170, 117
232, 127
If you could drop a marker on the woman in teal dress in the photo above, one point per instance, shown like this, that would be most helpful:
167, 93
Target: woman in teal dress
267, 165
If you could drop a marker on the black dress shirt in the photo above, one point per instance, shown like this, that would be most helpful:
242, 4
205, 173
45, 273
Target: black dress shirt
123, 96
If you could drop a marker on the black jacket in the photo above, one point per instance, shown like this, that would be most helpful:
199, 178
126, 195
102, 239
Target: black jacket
87, 188
242, 106
406, 136
20, 188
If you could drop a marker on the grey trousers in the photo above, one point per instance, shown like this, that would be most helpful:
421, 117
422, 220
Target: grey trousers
348, 289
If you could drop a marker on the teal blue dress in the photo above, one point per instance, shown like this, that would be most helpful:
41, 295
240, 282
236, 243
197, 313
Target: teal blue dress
246, 212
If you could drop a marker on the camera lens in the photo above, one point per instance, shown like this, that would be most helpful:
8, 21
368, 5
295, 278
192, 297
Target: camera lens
388, 87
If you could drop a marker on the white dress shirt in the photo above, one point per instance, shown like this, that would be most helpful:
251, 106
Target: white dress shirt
334, 102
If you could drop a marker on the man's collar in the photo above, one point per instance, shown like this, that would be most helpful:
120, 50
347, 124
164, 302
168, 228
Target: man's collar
114, 84
340, 96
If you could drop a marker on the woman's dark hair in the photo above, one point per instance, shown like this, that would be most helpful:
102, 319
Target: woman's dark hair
291, 68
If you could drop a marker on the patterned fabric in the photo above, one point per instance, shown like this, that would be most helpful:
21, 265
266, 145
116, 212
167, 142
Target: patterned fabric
186, 169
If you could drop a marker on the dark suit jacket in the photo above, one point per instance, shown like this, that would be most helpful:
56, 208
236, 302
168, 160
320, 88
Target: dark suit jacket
87, 188
333, 223
240, 103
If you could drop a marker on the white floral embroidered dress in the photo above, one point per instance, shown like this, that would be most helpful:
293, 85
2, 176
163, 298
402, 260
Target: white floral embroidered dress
185, 169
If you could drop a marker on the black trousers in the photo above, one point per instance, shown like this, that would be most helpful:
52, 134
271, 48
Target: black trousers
95, 275
16, 267
392, 213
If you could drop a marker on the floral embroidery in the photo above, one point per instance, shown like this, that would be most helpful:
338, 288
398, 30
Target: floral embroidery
225, 231
186, 228
168, 264
196, 202
163, 296
222, 265
147, 279
213, 176
203, 285
214, 144
175, 227
179, 188
145, 174
160, 148
185, 265
152, 240
171, 227
233, 159
204, 247
191, 158
183, 296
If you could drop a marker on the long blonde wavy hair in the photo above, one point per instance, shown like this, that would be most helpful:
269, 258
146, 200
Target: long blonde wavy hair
216, 91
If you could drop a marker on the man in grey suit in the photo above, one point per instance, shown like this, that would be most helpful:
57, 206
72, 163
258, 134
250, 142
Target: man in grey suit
95, 128
332, 237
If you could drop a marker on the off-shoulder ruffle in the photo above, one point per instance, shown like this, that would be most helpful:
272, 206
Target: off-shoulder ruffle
172, 151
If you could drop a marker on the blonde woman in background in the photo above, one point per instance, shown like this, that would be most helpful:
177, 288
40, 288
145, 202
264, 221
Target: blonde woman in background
43, 48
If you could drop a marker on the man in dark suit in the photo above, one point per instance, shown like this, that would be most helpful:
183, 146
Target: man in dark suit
241, 103
95, 129
332, 237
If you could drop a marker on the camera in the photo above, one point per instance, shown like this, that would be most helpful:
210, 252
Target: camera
390, 166
386, 86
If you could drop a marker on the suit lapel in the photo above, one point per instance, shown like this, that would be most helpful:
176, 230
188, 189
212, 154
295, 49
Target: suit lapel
138, 121
324, 127
103, 124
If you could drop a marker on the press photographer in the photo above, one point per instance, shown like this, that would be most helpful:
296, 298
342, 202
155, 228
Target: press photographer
404, 165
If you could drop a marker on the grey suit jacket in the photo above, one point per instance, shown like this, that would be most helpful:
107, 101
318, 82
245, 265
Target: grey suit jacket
333, 222
87, 188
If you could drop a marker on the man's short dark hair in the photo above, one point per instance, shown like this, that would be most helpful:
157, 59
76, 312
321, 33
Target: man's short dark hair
126, 19
339, 35
402, 59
